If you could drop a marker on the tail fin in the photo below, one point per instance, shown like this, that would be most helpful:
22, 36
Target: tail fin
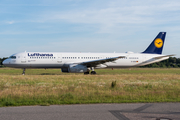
157, 44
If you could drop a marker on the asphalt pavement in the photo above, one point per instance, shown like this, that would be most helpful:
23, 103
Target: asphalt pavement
132, 111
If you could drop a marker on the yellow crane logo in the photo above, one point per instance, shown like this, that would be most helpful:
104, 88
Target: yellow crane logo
158, 43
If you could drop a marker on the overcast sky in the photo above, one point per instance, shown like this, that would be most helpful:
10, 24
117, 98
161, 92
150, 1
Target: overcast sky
87, 25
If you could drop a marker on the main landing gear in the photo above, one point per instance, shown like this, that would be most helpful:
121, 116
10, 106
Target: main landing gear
24, 71
86, 73
92, 71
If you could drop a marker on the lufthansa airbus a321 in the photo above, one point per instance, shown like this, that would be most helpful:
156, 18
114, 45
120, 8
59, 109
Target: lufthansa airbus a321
86, 62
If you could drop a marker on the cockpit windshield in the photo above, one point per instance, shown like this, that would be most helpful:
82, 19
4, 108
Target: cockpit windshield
12, 57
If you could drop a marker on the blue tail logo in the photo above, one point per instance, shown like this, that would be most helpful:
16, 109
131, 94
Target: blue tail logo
157, 44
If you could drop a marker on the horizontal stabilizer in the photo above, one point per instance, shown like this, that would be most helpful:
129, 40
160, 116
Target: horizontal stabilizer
163, 56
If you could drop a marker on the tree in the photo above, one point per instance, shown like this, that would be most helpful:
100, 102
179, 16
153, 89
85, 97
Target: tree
171, 62
1, 61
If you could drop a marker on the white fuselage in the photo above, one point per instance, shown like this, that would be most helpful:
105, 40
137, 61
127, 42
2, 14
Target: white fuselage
57, 59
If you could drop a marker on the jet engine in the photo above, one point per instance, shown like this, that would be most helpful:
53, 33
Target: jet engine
75, 68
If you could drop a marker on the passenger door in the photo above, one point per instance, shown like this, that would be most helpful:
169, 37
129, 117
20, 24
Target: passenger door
59, 58
23, 57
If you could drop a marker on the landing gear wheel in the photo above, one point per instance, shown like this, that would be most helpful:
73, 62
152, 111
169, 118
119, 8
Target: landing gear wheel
24, 71
85, 73
93, 72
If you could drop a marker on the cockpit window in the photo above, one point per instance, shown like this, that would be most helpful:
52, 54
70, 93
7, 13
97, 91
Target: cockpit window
12, 57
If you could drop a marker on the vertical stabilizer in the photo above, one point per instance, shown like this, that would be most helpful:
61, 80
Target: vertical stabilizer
157, 44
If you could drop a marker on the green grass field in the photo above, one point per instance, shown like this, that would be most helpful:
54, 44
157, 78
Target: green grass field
51, 86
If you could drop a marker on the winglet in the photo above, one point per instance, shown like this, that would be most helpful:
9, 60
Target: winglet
157, 44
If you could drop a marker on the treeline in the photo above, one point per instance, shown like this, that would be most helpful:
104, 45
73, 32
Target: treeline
1, 60
172, 62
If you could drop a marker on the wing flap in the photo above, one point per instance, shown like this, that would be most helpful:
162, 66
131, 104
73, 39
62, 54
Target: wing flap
94, 63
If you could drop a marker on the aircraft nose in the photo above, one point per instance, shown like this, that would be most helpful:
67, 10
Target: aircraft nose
5, 62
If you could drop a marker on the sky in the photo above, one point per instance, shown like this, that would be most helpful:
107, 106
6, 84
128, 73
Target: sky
87, 25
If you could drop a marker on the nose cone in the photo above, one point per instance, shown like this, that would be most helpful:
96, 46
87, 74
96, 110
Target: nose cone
5, 62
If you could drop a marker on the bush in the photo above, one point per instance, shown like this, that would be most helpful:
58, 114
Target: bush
113, 84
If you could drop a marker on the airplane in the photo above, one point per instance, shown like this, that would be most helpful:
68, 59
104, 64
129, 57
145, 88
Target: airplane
86, 62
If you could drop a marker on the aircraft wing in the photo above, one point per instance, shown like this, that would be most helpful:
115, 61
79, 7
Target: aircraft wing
163, 56
94, 63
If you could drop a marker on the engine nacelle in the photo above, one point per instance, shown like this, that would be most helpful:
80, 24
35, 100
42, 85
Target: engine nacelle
75, 68
101, 66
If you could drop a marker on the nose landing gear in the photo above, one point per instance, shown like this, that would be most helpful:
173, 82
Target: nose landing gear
24, 71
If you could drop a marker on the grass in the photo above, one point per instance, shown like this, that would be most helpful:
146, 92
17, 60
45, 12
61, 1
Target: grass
51, 86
